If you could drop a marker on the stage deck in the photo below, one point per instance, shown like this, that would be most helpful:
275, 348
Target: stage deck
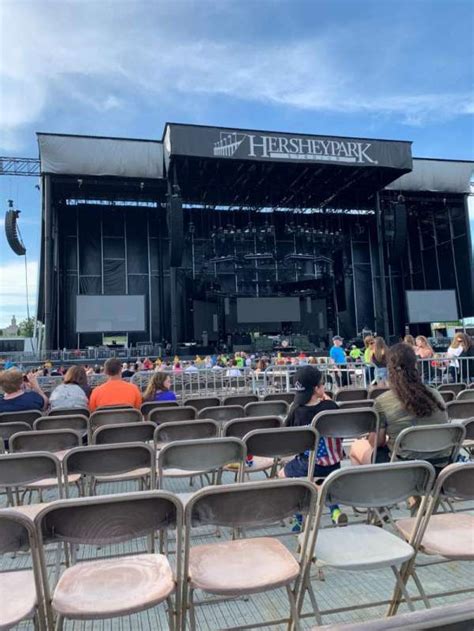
338, 590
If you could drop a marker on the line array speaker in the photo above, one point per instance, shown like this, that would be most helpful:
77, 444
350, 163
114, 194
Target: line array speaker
11, 232
396, 231
175, 229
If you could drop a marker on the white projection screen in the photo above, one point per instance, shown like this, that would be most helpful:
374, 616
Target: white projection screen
268, 310
103, 314
432, 306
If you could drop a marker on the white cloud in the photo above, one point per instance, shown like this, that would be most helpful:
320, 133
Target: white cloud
13, 290
86, 57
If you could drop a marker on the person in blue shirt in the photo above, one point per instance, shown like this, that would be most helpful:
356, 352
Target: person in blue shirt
20, 394
158, 388
338, 357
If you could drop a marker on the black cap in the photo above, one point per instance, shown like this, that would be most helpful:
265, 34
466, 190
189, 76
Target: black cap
337, 337
306, 380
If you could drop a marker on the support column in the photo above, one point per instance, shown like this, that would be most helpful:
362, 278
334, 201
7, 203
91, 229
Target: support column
381, 261
48, 263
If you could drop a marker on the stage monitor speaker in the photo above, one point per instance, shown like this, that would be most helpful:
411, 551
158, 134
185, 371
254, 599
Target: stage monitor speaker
396, 231
175, 229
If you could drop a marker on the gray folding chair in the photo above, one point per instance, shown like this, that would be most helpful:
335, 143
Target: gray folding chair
182, 430
245, 566
148, 406
22, 593
26, 416
351, 394
112, 463
140, 581
364, 547
124, 433
267, 408
453, 387
468, 443
460, 410
77, 422
8, 429
19, 471
68, 411
169, 415
376, 391
112, 417
446, 535
289, 397
222, 413
350, 405
118, 407
197, 458
240, 399
239, 427
448, 395
199, 403
465, 395
438, 444
56, 441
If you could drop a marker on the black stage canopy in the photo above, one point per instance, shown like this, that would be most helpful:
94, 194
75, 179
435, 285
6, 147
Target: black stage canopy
214, 165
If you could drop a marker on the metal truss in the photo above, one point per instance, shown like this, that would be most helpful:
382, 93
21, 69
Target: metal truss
20, 166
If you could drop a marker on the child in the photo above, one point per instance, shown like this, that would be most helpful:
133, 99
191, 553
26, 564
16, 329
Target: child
310, 399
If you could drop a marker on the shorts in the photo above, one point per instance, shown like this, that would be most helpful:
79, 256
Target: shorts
298, 468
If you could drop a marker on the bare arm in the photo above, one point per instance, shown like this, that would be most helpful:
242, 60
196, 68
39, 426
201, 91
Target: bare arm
33, 383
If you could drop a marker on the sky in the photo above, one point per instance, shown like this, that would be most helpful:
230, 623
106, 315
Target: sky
397, 69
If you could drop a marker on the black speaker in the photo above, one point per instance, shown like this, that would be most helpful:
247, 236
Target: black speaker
175, 229
339, 281
396, 230
11, 232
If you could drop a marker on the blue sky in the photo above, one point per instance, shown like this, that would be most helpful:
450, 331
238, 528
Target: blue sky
401, 69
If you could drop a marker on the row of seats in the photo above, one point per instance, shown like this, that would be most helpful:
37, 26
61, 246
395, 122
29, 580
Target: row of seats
238, 564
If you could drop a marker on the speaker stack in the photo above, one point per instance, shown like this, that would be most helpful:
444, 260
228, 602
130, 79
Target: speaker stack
175, 228
396, 230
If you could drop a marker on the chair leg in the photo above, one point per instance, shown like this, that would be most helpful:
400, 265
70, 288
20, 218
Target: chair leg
420, 588
171, 615
294, 617
59, 623
403, 590
192, 612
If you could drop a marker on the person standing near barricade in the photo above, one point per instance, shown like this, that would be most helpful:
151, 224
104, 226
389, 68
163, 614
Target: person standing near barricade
379, 360
424, 351
338, 357
466, 357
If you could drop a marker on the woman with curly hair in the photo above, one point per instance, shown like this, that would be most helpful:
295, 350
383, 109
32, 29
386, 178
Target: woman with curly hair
408, 402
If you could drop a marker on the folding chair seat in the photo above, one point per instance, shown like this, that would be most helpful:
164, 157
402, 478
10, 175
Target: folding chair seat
350, 405
113, 416
21, 590
460, 409
267, 408
199, 403
222, 413
351, 394
240, 399
124, 433
376, 391
140, 580
8, 429
465, 395
69, 411
448, 395
364, 547
112, 463
239, 427
438, 444
182, 430
26, 416
453, 387
289, 397
169, 415
148, 406
245, 566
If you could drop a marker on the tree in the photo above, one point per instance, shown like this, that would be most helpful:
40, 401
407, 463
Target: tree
26, 327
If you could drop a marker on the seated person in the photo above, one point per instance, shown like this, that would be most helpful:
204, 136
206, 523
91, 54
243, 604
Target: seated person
158, 388
310, 399
408, 402
73, 392
115, 391
21, 393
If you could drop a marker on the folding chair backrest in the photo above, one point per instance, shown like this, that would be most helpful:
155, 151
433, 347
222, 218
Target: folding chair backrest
169, 415
26, 416
115, 408
8, 429
222, 413
456, 481
453, 387
469, 425
250, 504
377, 485
148, 406
19, 469
465, 395
97, 460
109, 519
350, 405
267, 408
182, 430
351, 394
429, 442
280, 442
201, 455
239, 427
289, 397
68, 411
199, 403
112, 417
48, 440
375, 392
240, 399
351, 423
16, 532
448, 395
77, 422
124, 433
460, 409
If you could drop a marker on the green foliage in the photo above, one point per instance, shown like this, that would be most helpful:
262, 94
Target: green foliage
26, 327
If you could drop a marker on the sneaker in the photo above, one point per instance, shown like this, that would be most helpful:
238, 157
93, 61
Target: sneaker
297, 523
338, 517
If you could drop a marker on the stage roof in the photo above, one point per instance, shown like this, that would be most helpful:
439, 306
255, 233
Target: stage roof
436, 176
215, 165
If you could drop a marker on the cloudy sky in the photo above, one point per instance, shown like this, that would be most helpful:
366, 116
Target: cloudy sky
400, 69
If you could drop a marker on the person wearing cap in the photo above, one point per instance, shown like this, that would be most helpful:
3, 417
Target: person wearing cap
310, 399
338, 357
